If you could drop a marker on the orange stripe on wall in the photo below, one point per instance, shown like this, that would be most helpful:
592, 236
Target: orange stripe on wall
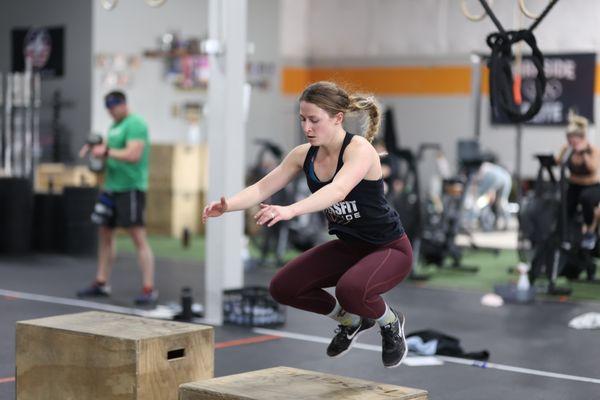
434, 80
294, 79
485, 81
439, 80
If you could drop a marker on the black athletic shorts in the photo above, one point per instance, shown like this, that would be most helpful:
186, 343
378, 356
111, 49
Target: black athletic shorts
120, 209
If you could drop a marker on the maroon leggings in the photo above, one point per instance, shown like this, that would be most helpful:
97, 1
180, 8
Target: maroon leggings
360, 272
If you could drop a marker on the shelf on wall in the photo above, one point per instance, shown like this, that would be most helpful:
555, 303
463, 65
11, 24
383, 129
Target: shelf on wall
172, 53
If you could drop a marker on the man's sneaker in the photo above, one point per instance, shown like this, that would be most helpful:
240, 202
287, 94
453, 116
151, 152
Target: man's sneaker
95, 290
345, 337
588, 241
393, 343
146, 298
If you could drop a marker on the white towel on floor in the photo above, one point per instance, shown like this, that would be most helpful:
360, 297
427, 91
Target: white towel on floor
589, 320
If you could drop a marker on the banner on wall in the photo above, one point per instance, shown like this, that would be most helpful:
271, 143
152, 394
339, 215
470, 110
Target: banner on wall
43, 46
570, 85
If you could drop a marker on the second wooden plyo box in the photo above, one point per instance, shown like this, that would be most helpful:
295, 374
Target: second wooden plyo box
283, 383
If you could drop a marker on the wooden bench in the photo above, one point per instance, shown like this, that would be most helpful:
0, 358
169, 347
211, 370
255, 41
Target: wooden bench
98, 355
283, 383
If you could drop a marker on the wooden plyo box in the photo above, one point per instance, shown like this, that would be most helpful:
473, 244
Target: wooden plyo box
178, 167
98, 355
283, 383
169, 212
54, 177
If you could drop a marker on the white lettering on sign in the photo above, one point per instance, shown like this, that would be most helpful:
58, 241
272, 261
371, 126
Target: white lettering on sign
343, 212
558, 68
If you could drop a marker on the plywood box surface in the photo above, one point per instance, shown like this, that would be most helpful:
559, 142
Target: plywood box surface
169, 212
178, 167
283, 383
54, 177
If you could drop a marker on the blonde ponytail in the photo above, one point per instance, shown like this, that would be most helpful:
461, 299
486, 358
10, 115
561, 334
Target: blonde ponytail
577, 124
359, 102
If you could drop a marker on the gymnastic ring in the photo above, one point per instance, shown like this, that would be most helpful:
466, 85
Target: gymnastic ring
467, 13
155, 3
526, 11
108, 4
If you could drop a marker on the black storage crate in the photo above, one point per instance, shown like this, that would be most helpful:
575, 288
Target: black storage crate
252, 306
81, 234
48, 222
16, 215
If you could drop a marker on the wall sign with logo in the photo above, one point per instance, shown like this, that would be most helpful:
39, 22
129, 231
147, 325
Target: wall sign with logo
570, 85
43, 46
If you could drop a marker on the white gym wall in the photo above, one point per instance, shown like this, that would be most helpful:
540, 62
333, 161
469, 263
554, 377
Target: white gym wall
350, 33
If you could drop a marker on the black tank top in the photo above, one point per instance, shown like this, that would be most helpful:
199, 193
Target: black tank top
578, 169
364, 214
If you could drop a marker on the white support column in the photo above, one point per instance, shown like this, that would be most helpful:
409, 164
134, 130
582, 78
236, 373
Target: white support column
476, 95
226, 143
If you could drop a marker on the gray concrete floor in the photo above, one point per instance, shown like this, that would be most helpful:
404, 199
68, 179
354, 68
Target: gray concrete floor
534, 336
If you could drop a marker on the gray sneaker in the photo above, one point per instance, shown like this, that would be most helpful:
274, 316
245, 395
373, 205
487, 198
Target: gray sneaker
94, 290
393, 342
345, 337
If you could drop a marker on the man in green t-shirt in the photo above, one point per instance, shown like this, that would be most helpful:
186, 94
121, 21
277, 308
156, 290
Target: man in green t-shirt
123, 198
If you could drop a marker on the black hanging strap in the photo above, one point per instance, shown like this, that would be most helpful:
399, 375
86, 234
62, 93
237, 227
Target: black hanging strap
500, 65
501, 76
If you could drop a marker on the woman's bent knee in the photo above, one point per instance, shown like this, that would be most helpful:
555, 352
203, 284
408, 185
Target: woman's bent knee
350, 296
283, 287
277, 290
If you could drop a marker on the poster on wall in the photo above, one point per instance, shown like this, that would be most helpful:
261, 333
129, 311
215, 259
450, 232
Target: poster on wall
570, 85
43, 46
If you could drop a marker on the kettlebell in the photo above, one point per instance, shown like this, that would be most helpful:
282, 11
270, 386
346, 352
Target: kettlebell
95, 164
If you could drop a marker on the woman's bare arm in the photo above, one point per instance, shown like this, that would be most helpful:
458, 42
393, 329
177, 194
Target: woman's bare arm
271, 183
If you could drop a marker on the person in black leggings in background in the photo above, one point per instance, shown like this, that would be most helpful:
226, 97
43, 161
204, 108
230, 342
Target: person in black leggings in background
582, 161
372, 253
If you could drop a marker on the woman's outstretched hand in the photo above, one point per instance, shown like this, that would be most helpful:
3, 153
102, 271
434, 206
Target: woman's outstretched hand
271, 215
214, 209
